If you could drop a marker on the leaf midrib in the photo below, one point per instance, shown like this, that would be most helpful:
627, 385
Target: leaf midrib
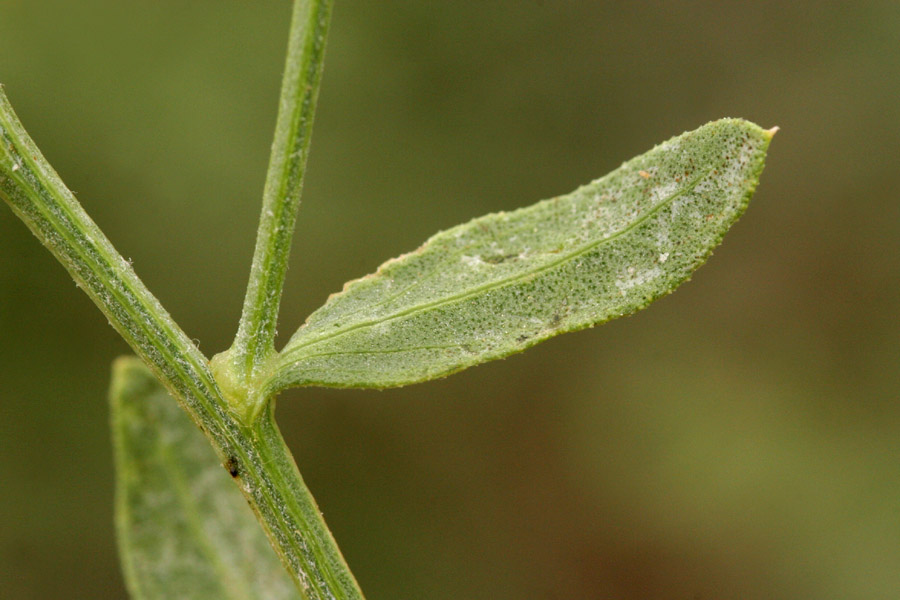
288, 352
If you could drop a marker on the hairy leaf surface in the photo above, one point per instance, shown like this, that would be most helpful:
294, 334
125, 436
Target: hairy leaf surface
184, 529
506, 281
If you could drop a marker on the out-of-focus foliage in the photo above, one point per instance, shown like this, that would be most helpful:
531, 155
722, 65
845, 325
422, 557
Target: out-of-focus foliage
738, 439
184, 529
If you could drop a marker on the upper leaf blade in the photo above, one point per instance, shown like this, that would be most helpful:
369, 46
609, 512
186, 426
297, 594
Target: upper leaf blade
184, 529
505, 281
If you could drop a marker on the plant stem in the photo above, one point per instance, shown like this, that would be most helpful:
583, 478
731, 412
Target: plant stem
254, 343
266, 472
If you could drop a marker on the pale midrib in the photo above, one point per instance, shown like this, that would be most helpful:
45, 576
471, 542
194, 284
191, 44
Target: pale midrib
286, 360
389, 351
421, 281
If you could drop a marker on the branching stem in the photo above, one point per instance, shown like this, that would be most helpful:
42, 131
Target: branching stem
257, 454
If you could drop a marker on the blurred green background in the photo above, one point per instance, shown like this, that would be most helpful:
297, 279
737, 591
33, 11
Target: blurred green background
740, 439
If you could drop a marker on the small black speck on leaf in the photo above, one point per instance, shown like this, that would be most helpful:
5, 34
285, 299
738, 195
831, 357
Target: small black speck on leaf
232, 465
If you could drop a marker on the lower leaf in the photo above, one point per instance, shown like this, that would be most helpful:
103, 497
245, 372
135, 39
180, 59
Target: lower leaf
184, 530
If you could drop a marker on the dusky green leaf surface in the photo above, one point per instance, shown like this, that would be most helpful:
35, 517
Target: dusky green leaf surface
184, 529
506, 281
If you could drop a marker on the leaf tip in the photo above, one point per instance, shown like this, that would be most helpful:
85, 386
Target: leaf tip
770, 133
121, 364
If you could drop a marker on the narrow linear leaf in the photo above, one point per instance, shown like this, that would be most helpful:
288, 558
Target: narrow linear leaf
506, 281
184, 529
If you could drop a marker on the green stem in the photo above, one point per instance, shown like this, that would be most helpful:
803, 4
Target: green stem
254, 344
266, 472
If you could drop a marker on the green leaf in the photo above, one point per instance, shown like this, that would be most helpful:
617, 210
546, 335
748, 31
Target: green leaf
184, 529
506, 281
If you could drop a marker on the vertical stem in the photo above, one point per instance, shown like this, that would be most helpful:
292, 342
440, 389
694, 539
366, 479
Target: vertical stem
254, 344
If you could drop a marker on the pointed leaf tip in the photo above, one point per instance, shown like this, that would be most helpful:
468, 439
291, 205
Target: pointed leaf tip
506, 281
